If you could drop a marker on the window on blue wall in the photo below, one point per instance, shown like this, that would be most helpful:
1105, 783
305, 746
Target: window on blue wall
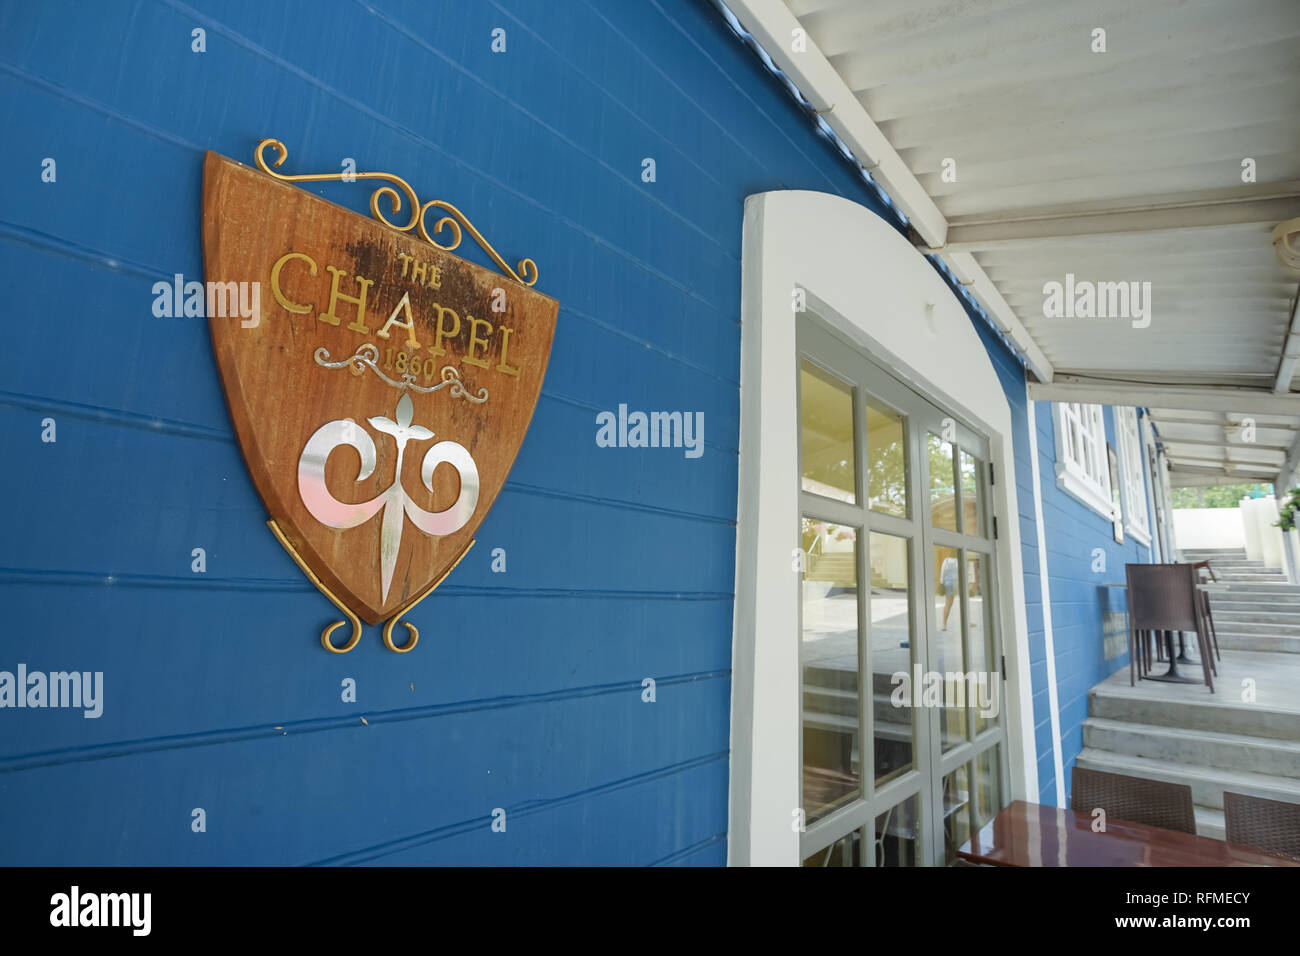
1130, 465
1082, 467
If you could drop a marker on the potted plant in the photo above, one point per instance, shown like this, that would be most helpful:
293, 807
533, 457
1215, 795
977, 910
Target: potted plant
1286, 514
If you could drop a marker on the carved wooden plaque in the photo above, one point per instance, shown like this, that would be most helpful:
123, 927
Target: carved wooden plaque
381, 388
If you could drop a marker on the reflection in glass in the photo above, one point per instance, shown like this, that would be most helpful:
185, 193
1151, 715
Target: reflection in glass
886, 461
956, 812
828, 653
950, 658
846, 851
943, 505
898, 834
971, 508
979, 644
826, 434
988, 786
892, 652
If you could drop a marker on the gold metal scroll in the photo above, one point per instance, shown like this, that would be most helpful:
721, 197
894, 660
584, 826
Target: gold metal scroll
415, 633
351, 618
526, 270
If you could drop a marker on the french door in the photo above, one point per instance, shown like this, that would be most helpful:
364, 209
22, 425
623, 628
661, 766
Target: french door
903, 741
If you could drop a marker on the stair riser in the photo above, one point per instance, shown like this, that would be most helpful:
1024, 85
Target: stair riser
1286, 614
1206, 791
1244, 601
1250, 592
1236, 625
1196, 751
1273, 643
1228, 720
1212, 827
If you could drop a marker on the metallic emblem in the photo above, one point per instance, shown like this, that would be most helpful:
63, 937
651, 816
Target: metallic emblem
394, 501
367, 357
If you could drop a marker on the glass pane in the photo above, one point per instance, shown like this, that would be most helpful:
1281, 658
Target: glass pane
886, 461
971, 488
979, 644
826, 434
898, 836
828, 653
892, 652
956, 812
846, 851
949, 658
988, 786
943, 506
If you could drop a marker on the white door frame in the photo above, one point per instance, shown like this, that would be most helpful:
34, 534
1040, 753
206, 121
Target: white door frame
883, 295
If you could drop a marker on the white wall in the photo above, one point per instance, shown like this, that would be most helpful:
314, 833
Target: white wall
1263, 539
1209, 528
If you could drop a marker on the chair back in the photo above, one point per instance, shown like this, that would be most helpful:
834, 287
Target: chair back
1268, 825
1162, 597
1153, 802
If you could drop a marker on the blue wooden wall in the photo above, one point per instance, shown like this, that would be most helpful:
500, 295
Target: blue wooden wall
525, 692
1079, 599
1071, 532
1011, 374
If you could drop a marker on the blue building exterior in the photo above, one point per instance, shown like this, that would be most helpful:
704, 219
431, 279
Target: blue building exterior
526, 694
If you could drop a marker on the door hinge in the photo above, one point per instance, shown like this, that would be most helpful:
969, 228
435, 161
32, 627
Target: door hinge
995, 527
992, 480
1004, 667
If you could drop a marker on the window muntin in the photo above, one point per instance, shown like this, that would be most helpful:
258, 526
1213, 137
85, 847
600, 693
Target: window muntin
1082, 466
1131, 466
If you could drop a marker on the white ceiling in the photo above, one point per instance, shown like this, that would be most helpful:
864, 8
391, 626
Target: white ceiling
1115, 166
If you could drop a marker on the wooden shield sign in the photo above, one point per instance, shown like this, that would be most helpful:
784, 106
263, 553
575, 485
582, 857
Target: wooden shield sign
380, 387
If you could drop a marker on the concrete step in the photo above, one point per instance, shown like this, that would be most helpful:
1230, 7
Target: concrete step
1273, 610
1279, 758
1235, 624
1171, 705
1210, 823
1269, 643
1236, 590
1203, 553
1250, 577
1207, 783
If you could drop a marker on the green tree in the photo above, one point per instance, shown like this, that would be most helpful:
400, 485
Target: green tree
1219, 496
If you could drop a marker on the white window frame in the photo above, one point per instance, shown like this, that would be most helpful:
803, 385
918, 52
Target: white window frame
1082, 466
884, 296
1132, 464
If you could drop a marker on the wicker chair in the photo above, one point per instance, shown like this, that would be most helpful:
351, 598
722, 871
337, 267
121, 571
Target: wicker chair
1205, 608
1152, 802
1164, 597
1268, 825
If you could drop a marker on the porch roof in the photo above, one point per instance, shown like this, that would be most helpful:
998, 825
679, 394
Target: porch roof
1122, 166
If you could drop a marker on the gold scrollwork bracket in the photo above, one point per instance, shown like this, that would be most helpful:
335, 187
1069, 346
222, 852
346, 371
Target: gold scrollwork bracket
526, 272
414, 631
351, 618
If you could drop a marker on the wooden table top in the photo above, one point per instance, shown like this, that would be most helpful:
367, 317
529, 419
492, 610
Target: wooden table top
1031, 834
